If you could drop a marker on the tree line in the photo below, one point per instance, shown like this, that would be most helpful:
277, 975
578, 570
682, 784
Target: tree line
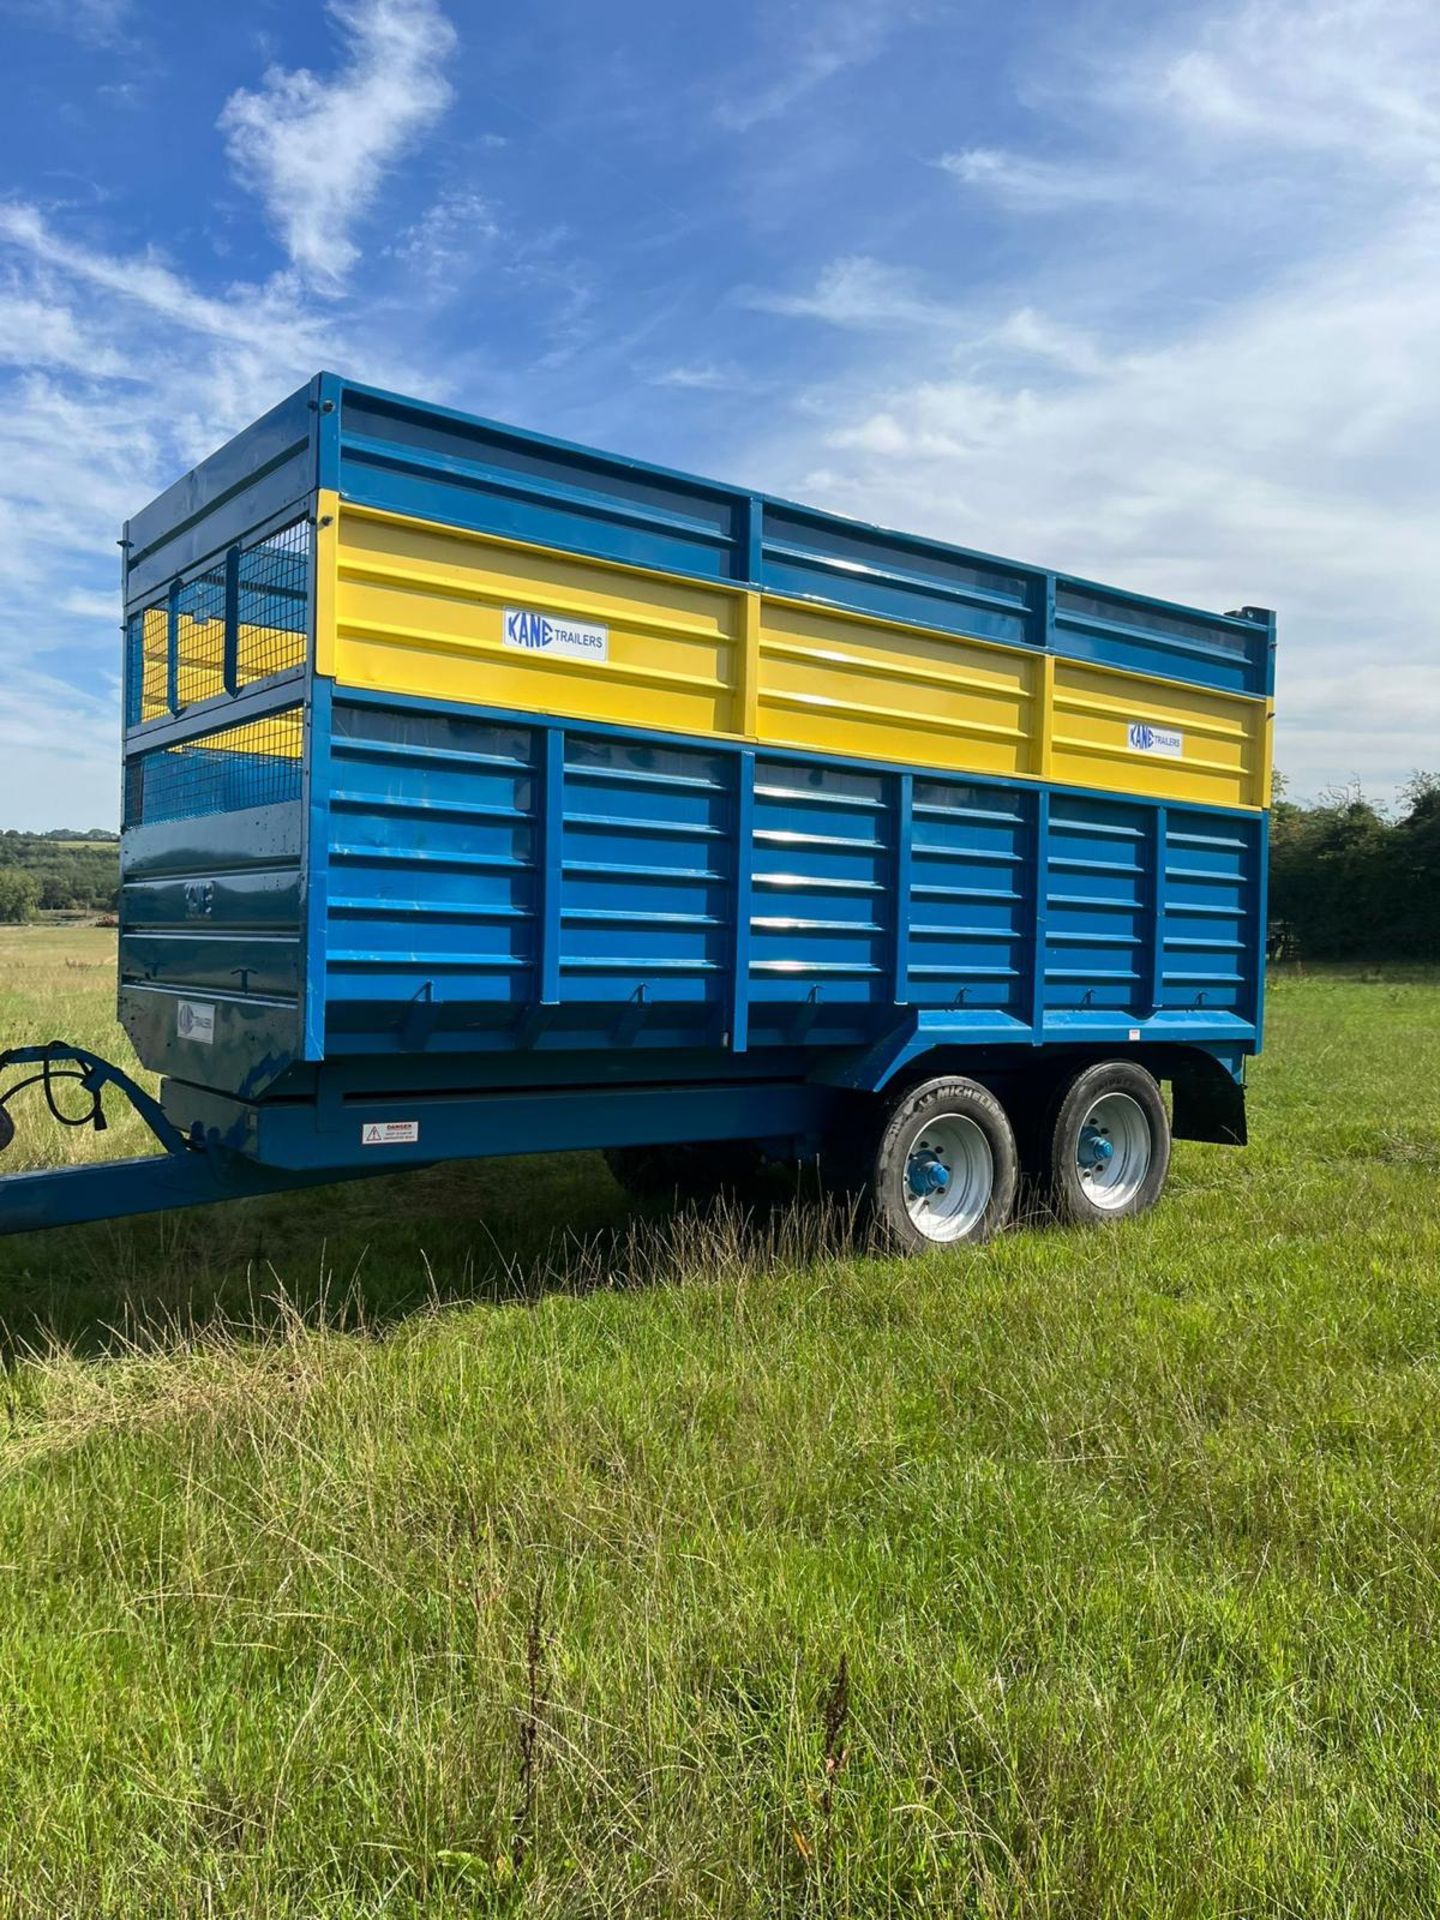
1352, 881
57, 872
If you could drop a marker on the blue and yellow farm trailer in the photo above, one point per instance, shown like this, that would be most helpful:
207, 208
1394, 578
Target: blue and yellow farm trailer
485, 794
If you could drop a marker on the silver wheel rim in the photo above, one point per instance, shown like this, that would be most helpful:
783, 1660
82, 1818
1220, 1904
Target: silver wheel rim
949, 1177
1113, 1151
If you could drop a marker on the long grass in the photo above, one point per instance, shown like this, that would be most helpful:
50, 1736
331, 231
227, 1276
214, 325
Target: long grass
466, 1545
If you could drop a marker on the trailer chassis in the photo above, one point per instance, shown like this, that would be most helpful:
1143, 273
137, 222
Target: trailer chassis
185, 1173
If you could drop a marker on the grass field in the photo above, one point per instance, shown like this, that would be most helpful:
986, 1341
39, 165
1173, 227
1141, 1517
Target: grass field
377, 1552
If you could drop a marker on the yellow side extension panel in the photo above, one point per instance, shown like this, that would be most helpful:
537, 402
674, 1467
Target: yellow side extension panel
422, 610
409, 607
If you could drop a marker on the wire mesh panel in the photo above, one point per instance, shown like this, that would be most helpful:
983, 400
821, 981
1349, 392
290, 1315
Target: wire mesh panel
146, 664
273, 612
244, 619
200, 638
255, 765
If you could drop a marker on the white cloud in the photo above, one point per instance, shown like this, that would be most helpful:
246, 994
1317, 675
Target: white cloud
830, 41
858, 292
1027, 331
450, 238
96, 22
1030, 185
102, 608
701, 377
1353, 76
316, 150
267, 317
44, 333
1272, 442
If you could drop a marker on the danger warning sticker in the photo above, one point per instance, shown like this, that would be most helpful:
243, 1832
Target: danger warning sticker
390, 1133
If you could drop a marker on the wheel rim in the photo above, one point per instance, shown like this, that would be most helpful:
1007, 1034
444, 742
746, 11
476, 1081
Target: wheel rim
1113, 1151
949, 1177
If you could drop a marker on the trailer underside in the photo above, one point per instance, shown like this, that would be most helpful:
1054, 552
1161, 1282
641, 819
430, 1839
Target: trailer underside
216, 1148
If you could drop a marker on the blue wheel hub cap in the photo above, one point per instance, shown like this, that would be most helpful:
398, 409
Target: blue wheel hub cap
1096, 1148
926, 1175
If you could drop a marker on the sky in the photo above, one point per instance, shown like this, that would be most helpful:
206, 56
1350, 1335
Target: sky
1145, 292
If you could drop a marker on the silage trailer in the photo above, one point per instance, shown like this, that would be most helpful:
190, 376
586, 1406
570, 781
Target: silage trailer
486, 794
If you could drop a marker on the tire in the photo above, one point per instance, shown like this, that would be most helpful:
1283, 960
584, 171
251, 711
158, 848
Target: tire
944, 1169
692, 1175
1108, 1146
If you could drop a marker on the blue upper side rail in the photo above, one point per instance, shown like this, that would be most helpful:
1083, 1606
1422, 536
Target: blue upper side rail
264, 472
381, 450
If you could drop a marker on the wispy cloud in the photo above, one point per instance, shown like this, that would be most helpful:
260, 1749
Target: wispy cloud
701, 377
43, 333
812, 48
98, 23
857, 292
451, 238
268, 316
89, 605
1040, 336
1028, 184
316, 150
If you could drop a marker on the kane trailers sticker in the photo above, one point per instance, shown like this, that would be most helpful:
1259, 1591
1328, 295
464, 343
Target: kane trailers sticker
550, 633
1162, 740
195, 1020
390, 1133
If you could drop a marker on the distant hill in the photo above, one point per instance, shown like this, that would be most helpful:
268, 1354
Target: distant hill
64, 870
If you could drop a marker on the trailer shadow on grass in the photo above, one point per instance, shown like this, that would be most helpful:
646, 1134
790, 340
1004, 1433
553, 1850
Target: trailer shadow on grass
366, 1254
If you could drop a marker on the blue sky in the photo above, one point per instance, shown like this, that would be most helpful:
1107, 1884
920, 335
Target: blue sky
1148, 292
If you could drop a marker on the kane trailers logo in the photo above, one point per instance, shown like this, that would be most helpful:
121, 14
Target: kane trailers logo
195, 1020
1162, 740
547, 633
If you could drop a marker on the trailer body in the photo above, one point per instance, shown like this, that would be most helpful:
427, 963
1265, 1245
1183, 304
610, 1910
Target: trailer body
486, 794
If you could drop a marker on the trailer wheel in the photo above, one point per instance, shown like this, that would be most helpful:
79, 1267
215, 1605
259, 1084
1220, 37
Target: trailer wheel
945, 1167
690, 1174
1108, 1145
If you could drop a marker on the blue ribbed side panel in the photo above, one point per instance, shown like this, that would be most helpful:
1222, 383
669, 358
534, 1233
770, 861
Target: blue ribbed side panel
821, 859
1211, 862
648, 866
496, 886
971, 905
816, 557
1122, 630
433, 861
454, 901
1098, 881
441, 466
